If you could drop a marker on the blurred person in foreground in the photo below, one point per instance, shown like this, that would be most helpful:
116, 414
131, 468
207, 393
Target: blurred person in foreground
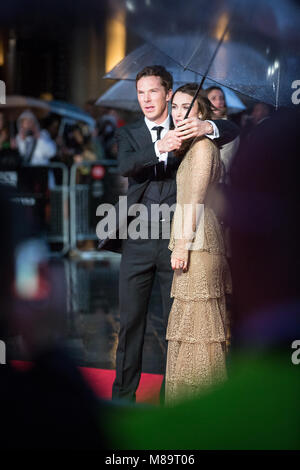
48, 406
258, 407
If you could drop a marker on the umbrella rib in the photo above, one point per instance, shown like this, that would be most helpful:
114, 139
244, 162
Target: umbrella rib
277, 89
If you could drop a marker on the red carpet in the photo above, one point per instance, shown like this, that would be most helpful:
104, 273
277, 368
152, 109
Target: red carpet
101, 380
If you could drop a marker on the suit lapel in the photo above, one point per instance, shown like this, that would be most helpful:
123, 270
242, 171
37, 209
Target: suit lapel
141, 134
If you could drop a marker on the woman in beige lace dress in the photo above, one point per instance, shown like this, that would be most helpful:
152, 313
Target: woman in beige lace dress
196, 330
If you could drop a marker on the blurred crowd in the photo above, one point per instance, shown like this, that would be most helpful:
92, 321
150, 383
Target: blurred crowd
32, 141
42, 141
29, 139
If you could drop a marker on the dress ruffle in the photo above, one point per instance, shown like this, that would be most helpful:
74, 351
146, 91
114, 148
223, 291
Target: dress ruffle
202, 321
208, 277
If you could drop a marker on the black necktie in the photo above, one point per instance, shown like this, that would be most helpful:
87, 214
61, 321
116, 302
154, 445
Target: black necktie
159, 167
158, 129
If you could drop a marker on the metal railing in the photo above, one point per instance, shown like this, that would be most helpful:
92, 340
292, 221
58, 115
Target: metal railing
51, 197
71, 202
59, 211
85, 196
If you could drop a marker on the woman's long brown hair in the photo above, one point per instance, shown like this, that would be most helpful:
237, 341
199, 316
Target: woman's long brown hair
204, 108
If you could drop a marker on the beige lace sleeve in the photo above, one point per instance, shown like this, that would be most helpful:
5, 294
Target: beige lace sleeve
196, 178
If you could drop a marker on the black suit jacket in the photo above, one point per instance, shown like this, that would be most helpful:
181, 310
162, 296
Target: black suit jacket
136, 158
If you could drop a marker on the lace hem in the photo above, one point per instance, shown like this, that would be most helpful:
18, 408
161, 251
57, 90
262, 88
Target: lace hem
193, 368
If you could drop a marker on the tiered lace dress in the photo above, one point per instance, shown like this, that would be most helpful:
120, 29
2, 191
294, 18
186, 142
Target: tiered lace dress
196, 330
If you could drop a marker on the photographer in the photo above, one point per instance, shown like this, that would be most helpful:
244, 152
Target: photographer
35, 145
36, 148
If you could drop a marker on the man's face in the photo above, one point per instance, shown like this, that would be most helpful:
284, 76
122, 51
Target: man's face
153, 98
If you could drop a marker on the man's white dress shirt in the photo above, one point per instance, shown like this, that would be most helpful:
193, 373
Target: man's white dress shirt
163, 157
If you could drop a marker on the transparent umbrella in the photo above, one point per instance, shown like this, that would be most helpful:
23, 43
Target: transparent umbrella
122, 95
251, 46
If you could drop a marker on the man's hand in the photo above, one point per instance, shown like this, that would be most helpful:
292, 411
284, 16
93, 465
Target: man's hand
169, 142
193, 127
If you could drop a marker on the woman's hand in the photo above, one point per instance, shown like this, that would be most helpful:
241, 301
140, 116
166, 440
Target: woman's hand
179, 263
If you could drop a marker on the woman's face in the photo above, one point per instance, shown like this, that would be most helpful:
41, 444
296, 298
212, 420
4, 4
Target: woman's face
217, 99
180, 105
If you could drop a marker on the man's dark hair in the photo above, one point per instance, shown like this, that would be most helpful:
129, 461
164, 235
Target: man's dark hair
157, 71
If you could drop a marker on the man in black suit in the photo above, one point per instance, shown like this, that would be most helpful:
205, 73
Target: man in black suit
144, 156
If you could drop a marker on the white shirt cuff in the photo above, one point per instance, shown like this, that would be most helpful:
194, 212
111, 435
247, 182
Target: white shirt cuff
160, 156
216, 133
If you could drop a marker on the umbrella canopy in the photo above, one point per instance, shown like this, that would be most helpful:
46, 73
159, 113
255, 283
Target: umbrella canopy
71, 112
122, 95
145, 55
258, 55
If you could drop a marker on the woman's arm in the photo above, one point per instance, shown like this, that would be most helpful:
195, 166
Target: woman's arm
195, 186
